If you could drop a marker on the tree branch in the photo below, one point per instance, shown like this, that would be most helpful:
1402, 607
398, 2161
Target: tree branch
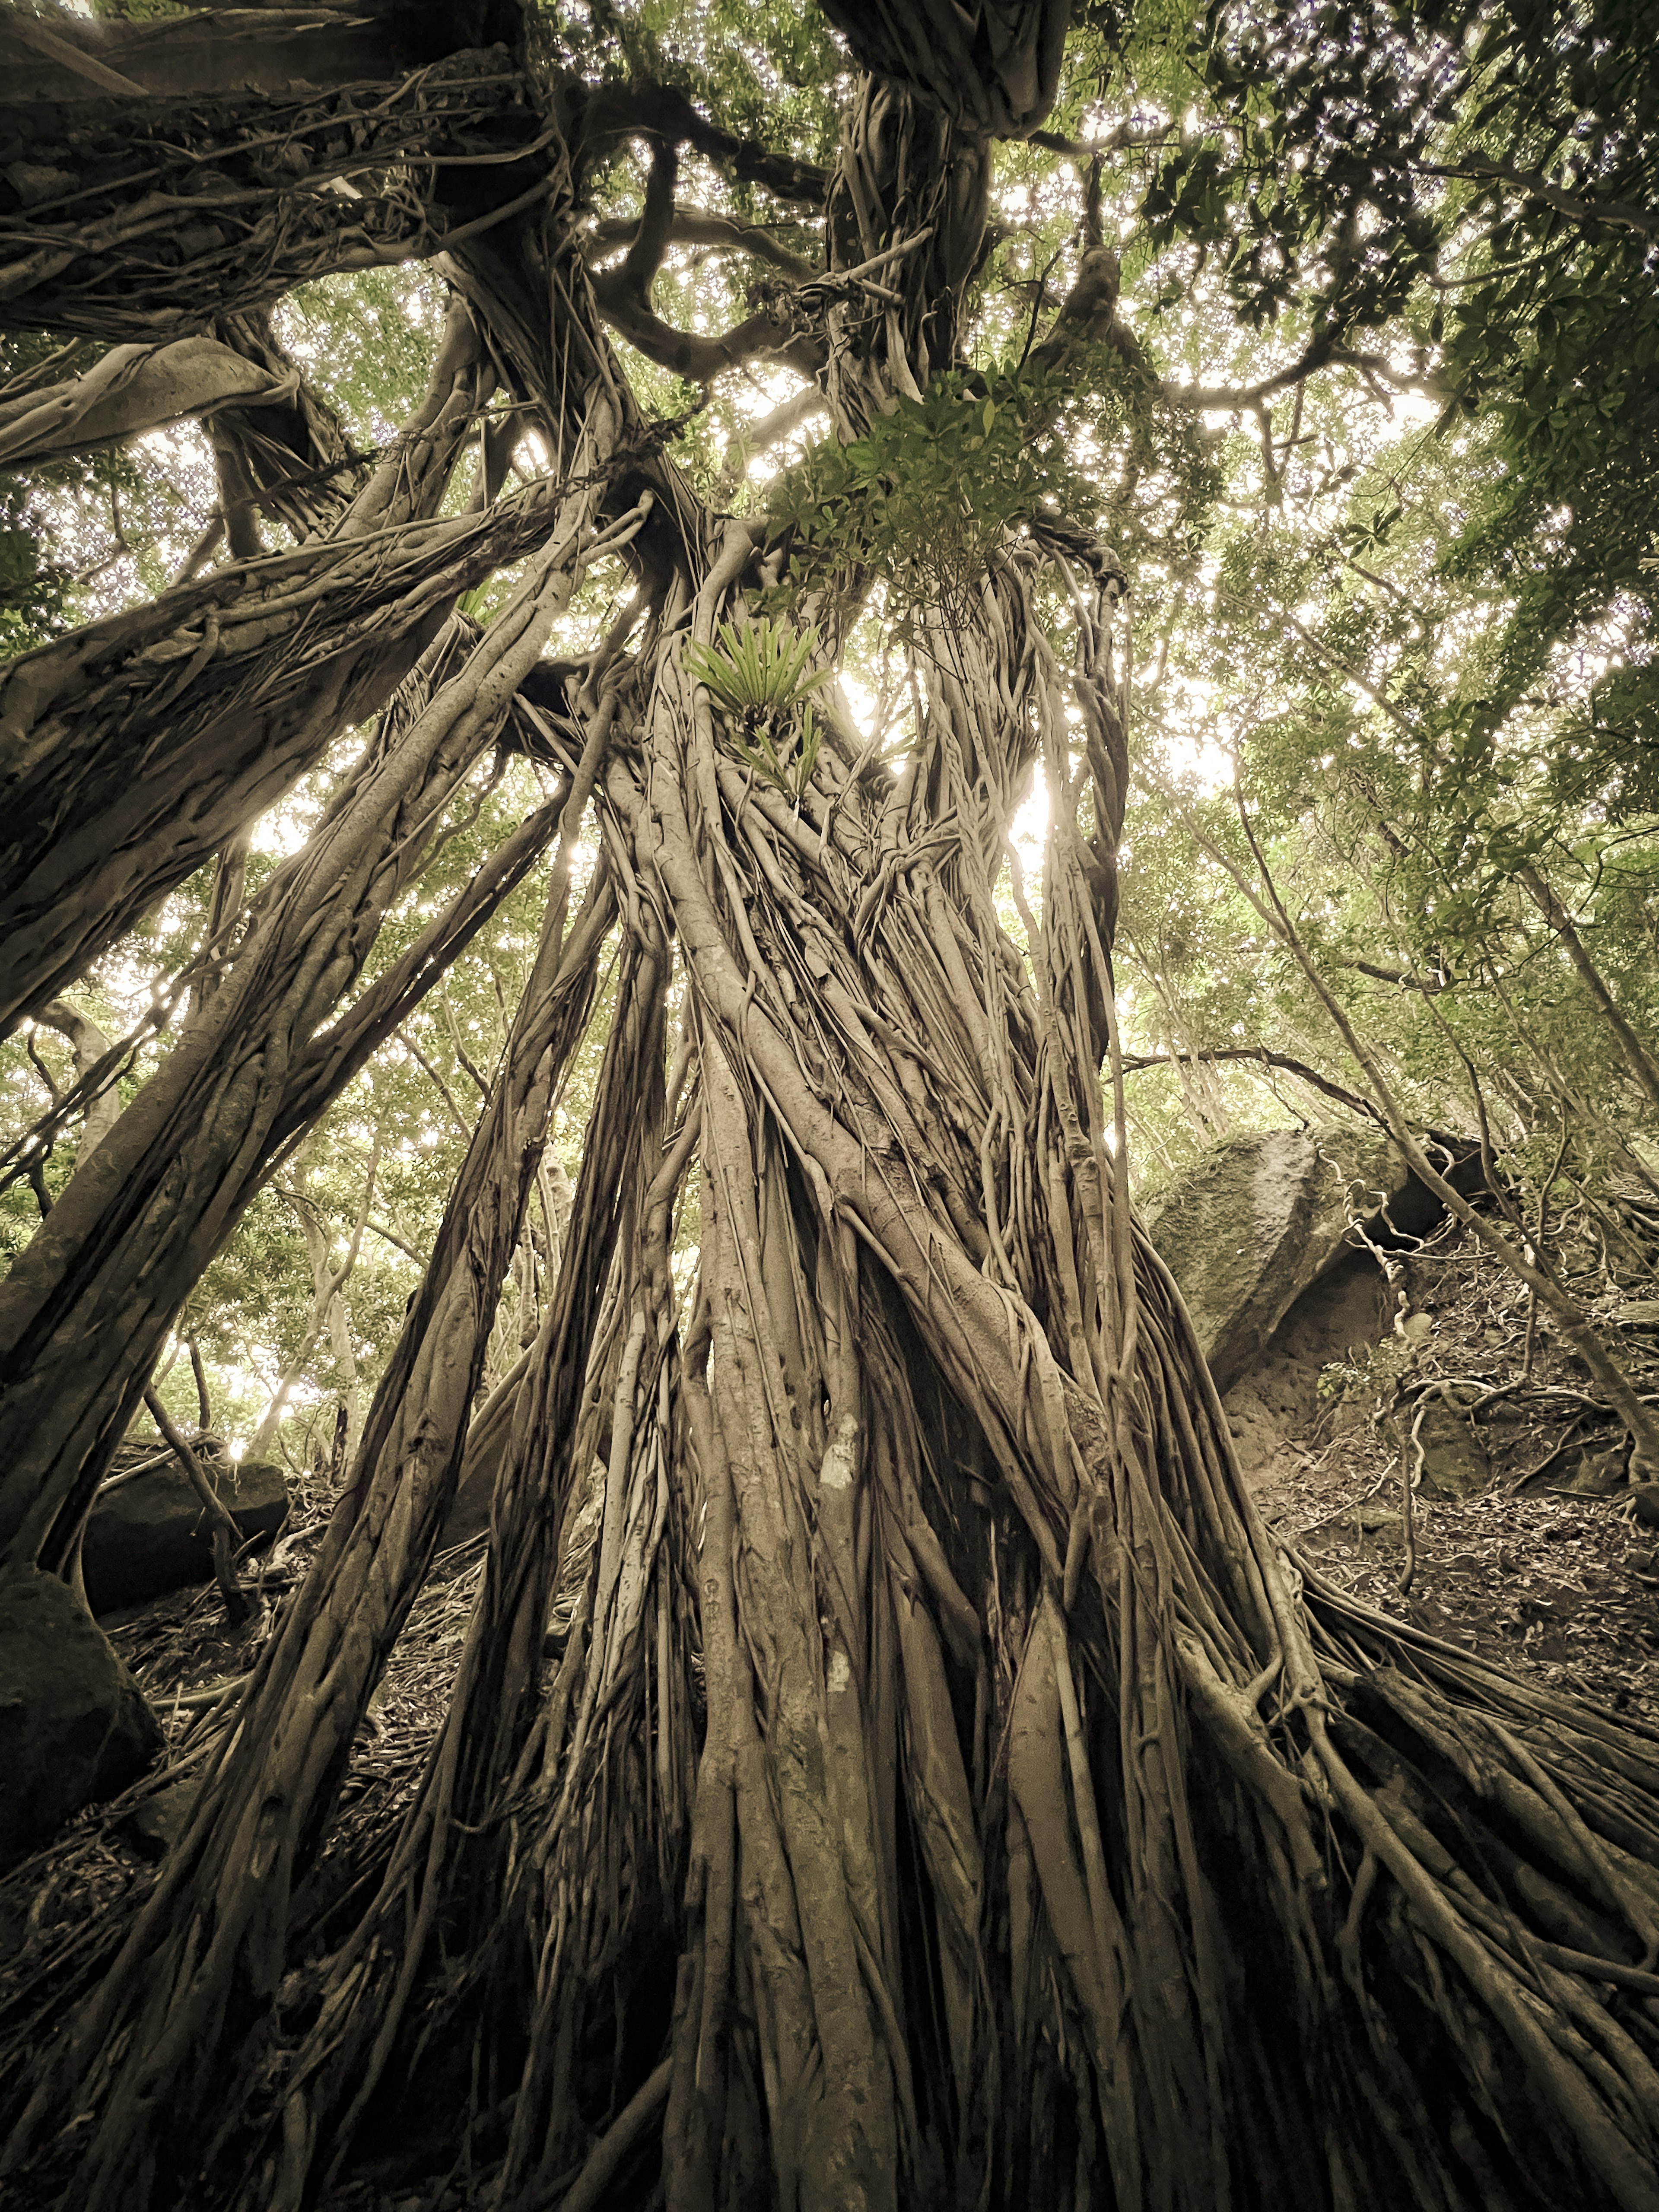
84, 67
1396, 976
226, 1537
1259, 1053
1223, 398
1637, 1058
1621, 215
1321, 353
625, 299
662, 111
761, 337
435, 1076
89, 1045
1087, 149
693, 226
380, 1229
763, 436
652, 232
132, 389
190, 214
335, 1056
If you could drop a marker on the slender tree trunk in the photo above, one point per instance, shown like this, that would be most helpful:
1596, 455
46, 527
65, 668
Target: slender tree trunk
587, 1386
89, 1044
329, 1311
1637, 1058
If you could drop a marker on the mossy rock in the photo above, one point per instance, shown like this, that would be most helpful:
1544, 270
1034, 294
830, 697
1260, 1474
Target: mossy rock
1454, 1459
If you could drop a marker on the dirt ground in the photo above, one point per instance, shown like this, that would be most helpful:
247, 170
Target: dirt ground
1545, 1568
189, 1660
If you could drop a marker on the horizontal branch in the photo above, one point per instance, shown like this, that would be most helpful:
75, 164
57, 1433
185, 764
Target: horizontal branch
693, 226
1620, 215
131, 220
660, 110
1396, 976
1321, 353
133, 389
1260, 1055
1091, 149
1228, 398
1456, 1147
208, 51
760, 436
762, 336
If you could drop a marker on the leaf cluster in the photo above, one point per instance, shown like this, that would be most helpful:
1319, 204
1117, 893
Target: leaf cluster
760, 677
930, 491
1477, 180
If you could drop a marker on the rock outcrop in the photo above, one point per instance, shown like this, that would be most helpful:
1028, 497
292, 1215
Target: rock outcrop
149, 1533
74, 1726
1262, 1219
1336, 1318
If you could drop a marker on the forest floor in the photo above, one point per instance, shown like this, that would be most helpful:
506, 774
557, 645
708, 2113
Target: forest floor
189, 1661
1546, 1569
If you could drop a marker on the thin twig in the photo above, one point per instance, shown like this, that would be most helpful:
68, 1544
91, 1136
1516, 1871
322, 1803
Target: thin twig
226, 1537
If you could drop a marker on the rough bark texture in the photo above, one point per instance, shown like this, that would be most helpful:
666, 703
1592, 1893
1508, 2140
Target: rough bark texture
241, 187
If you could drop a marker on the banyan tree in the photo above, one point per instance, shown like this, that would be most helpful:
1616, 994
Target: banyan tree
890, 1763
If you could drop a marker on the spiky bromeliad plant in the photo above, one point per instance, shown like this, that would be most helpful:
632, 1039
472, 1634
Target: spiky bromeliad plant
760, 675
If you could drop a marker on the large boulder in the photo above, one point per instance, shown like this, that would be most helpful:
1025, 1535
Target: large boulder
74, 1726
1338, 1318
149, 1534
1262, 1218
